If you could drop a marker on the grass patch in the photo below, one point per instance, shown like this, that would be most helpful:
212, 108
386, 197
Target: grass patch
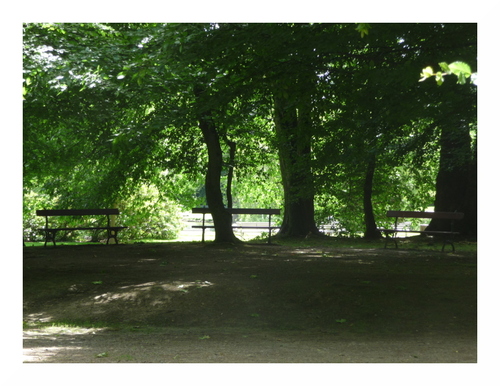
80, 326
66, 324
414, 243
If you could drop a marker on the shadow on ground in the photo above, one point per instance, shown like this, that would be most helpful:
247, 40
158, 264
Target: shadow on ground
189, 302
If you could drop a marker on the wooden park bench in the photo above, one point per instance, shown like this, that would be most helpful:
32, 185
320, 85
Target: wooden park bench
50, 233
268, 212
390, 234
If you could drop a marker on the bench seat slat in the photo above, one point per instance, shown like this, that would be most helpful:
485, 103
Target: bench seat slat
237, 226
423, 232
436, 215
81, 229
76, 212
239, 211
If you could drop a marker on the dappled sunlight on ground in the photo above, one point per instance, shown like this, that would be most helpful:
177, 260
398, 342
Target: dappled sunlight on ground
39, 317
43, 343
345, 254
254, 302
137, 291
43, 354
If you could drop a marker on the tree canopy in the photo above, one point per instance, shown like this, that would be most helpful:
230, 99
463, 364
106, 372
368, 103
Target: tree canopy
328, 121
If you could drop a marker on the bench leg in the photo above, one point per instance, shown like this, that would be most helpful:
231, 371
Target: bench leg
390, 238
50, 235
448, 242
269, 238
203, 229
112, 234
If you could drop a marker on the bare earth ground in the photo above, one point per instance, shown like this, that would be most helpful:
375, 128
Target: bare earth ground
190, 302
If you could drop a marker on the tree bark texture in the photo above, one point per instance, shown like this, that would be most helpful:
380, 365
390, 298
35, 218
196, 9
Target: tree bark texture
294, 147
456, 182
221, 217
230, 172
371, 231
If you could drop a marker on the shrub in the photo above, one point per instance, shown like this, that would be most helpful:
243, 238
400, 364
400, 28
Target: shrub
149, 215
32, 201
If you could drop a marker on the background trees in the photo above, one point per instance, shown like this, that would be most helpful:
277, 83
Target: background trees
342, 118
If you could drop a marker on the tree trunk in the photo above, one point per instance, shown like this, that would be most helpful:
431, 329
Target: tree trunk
469, 223
230, 173
221, 217
456, 180
294, 147
371, 231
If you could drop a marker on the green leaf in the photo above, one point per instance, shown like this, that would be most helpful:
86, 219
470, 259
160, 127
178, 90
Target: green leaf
462, 78
460, 68
426, 73
363, 28
444, 66
439, 78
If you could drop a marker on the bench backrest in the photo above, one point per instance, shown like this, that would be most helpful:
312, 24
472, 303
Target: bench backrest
240, 211
437, 215
76, 212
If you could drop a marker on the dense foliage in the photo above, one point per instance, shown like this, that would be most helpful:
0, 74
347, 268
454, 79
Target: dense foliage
319, 119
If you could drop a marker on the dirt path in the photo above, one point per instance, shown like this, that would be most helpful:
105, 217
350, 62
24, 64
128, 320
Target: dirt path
243, 347
188, 303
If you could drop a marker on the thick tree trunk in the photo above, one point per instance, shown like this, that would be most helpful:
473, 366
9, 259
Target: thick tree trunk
371, 231
221, 217
294, 146
469, 225
456, 183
